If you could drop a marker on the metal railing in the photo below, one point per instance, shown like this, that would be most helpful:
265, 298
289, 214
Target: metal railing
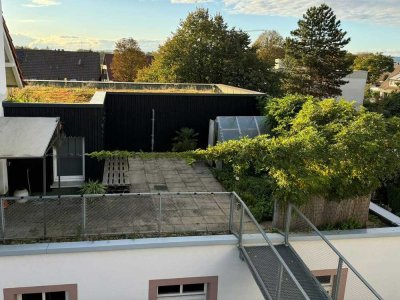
278, 281
357, 286
80, 217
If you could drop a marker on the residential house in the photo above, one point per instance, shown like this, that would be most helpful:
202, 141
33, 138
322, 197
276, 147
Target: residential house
392, 83
59, 65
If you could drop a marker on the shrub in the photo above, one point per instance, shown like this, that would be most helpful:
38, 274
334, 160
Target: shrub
185, 140
93, 188
254, 190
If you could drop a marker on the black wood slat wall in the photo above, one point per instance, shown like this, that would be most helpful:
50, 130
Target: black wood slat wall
128, 121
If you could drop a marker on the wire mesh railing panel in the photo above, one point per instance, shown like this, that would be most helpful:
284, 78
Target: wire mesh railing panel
343, 281
92, 216
62, 217
24, 219
121, 214
352, 288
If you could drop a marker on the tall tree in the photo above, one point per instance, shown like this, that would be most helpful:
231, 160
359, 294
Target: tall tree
376, 64
128, 59
270, 45
205, 50
315, 57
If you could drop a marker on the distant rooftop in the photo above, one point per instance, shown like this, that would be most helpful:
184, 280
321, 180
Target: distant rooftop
59, 64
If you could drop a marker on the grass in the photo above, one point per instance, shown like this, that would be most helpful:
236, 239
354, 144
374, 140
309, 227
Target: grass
44, 94
51, 94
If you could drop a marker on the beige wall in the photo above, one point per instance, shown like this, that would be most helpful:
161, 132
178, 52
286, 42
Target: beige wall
377, 259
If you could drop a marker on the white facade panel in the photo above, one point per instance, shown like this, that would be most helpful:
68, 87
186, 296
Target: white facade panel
125, 275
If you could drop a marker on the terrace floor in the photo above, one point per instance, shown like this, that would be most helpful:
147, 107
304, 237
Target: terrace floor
170, 175
148, 214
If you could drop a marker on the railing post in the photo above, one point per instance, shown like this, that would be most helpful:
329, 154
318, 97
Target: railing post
288, 221
231, 212
83, 216
336, 284
44, 218
3, 220
241, 227
160, 215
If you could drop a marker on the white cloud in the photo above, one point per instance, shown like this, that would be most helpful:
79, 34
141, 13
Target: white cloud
71, 42
190, 1
41, 3
383, 11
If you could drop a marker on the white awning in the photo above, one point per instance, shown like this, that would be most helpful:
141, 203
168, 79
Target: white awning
26, 137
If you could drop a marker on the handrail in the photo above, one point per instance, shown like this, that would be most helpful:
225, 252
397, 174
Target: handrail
269, 242
113, 195
337, 252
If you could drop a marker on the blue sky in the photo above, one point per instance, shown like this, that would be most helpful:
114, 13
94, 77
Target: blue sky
97, 24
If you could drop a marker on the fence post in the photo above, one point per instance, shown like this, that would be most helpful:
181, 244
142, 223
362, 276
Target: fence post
3, 220
336, 284
83, 216
44, 218
288, 220
160, 215
231, 205
241, 227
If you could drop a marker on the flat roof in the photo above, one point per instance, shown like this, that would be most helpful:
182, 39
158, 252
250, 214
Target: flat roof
26, 137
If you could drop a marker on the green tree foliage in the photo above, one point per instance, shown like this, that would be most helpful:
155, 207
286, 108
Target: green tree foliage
330, 149
270, 45
315, 59
205, 50
128, 59
376, 64
388, 106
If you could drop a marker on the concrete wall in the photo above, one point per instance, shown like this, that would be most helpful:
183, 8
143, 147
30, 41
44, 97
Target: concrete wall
125, 275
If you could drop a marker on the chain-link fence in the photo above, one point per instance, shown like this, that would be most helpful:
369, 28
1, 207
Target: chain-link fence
340, 279
133, 215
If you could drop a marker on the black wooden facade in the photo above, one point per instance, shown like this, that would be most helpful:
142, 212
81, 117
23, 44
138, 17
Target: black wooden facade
124, 122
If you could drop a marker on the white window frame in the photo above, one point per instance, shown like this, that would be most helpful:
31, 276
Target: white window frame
69, 178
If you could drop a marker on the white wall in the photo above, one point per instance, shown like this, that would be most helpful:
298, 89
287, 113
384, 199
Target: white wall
125, 274
377, 259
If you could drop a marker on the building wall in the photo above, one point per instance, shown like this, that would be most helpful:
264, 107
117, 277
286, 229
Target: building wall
354, 89
129, 117
377, 259
125, 275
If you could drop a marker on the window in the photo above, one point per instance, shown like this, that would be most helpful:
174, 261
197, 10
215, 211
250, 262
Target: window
53, 292
198, 288
327, 279
69, 160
